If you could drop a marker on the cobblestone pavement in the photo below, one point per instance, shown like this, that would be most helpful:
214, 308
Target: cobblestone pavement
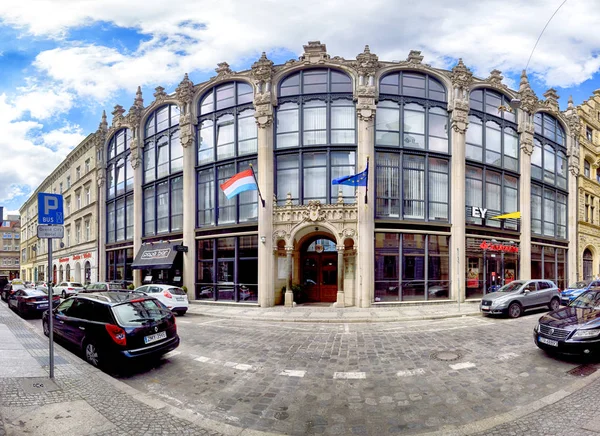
83, 389
364, 379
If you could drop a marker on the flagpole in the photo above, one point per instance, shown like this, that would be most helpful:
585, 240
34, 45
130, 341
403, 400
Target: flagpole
262, 200
367, 185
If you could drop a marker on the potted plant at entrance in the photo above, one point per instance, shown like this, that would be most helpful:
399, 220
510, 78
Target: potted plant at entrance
299, 294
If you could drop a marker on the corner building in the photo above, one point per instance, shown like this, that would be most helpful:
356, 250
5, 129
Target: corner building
446, 154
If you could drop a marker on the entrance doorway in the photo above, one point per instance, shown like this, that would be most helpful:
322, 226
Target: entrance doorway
588, 261
319, 270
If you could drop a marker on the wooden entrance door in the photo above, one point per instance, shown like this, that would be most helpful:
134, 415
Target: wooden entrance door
319, 275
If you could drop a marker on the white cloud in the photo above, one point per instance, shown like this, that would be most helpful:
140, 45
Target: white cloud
42, 104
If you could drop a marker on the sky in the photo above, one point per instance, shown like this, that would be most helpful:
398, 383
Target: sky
62, 62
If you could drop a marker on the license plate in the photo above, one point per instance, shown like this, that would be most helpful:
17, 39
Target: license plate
548, 341
155, 337
42, 306
180, 298
485, 308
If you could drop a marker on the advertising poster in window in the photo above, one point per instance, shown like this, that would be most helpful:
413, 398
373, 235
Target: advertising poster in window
509, 276
473, 278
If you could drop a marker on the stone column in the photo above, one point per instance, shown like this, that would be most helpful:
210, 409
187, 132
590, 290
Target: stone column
572, 214
99, 141
289, 295
526, 150
461, 78
457, 200
340, 302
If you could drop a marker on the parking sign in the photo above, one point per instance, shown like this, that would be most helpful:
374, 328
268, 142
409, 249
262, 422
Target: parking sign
50, 209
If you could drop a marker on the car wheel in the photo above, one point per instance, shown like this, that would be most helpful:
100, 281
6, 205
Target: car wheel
92, 354
180, 312
46, 328
514, 310
554, 304
64, 295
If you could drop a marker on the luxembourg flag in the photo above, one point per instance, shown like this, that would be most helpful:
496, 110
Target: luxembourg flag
239, 183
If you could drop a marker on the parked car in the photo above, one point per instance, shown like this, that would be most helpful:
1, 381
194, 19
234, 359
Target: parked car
11, 289
520, 295
171, 296
576, 289
574, 329
29, 301
114, 327
66, 289
104, 286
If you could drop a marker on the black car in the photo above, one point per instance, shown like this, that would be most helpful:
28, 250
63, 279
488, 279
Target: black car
113, 327
28, 301
574, 329
10, 289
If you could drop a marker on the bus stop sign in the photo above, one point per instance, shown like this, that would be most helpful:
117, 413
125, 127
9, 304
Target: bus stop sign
50, 209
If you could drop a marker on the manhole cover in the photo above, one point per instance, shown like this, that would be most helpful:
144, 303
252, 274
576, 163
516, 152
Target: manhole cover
582, 370
446, 356
36, 385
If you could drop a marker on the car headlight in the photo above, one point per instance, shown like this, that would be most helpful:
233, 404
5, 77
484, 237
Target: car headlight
586, 334
537, 327
498, 303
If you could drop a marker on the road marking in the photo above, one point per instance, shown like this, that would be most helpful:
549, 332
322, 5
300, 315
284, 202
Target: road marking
507, 356
349, 375
292, 373
464, 365
206, 322
346, 328
235, 365
172, 353
183, 322
411, 372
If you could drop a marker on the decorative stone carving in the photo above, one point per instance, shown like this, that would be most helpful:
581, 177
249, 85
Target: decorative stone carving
118, 118
529, 101
160, 95
223, 70
185, 94
348, 233
495, 79
314, 52
460, 116
313, 212
263, 117
366, 65
526, 143
551, 101
100, 177
262, 73
461, 78
133, 118
139, 100
365, 108
414, 57
279, 234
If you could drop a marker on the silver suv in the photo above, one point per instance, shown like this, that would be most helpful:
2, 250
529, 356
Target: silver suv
519, 295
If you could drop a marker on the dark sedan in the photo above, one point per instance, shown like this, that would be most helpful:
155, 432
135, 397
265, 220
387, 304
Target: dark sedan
574, 329
112, 327
29, 301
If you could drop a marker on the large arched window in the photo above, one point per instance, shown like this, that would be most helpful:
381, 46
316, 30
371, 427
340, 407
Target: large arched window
119, 185
163, 167
227, 144
411, 148
492, 147
549, 168
315, 136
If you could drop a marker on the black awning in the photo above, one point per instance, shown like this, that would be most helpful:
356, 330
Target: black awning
160, 255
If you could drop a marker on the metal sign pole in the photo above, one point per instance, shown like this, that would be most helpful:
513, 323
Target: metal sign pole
50, 312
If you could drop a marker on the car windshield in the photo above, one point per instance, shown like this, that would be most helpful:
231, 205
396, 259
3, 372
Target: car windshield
176, 291
512, 286
587, 300
139, 312
579, 285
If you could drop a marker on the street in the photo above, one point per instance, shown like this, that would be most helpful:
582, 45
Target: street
363, 378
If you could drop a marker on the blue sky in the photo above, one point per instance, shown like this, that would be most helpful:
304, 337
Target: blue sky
62, 61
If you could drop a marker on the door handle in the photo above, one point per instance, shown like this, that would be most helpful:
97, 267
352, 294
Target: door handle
81, 328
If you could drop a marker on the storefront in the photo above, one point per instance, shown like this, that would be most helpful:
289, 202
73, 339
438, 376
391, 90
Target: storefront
118, 264
160, 262
549, 262
80, 268
490, 265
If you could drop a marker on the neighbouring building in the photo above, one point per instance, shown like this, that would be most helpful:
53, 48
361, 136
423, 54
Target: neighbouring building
75, 257
588, 226
11, 243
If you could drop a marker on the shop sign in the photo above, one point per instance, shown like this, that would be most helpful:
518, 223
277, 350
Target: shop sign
161, 253
87, 255
473, 278
63, 259
478, 212
77, 257
499, 247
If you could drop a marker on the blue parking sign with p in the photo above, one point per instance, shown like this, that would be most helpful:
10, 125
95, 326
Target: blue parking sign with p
50, 209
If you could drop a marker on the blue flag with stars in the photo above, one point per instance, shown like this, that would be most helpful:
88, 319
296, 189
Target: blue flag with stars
359, 179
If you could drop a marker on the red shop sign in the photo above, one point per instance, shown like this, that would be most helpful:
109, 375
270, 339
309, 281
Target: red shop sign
63, 259
499, 247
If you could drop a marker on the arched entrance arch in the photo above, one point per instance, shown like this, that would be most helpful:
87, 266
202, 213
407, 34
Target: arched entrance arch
88, 272
588, 264
319, 269
68, 273
60, 274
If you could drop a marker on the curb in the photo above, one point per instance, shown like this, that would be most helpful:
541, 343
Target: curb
336, 320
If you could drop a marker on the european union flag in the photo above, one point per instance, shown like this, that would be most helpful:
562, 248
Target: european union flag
359, 179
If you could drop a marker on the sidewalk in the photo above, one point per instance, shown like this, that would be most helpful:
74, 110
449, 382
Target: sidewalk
329, 314
81, 400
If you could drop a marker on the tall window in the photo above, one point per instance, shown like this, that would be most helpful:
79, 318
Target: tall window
227, 144
549, 178
586, 168
411, 115
163, 166
119, 173
315, 136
